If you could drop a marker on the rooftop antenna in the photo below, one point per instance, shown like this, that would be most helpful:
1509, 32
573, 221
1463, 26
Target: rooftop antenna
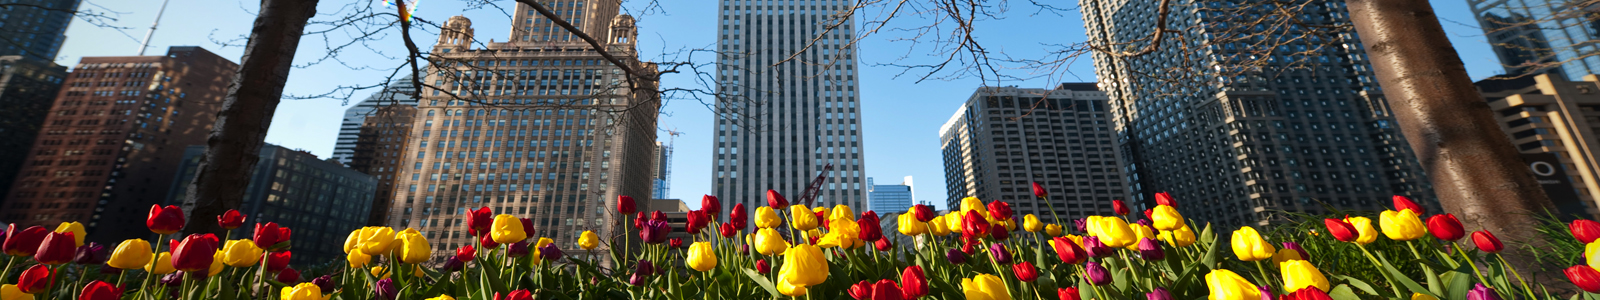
146, 43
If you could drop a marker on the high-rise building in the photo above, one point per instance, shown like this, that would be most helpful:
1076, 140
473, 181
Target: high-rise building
660, 184
566, 134
887, 198
1239, 137
397, 94
35, 28
785, 113
1553, 122
1003, 139
27, 88
379, 151
1531, 36
111, 143
321, 200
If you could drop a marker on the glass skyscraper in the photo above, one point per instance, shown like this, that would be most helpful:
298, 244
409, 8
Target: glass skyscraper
398, 93
1530, 34
784, 113
889, 198
35, 28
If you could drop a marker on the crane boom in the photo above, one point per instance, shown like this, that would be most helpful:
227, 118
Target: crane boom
810, 196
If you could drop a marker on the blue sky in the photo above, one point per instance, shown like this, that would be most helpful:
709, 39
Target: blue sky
901, 116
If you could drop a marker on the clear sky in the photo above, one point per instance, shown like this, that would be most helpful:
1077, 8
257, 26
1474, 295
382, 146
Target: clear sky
901, 116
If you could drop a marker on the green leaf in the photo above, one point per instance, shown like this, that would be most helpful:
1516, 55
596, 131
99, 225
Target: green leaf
1343, 292
1459, 283
1357, 283
762, 281
1401, 277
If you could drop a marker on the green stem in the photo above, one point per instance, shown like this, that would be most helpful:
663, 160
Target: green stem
1474, 265
1513, 271
1379, 265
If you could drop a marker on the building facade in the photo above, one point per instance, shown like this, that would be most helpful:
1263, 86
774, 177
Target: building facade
1553, 120
661, 182
322, 201
887, 198
35, 28
542, 127
783, 114
399, 93
1531, 35
1240, 131
383, 136
111, 143
28, 88
1003, 139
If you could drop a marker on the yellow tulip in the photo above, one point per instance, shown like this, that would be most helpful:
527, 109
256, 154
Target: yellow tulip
130, 255
767, 218
1052, 230
1402, 225
823, 211
162, 264
802, 218
1249, 246
1165, 217
507, 229
241, 253
1300, 274
534, 252
380, 272
937, 227
588, 240
12, 292
972, 203
442, 297
1010, 225
1031, 223
840, 211
768, 242
908, 225
1114, 232
414, 248
804, 265
985, 287
303, 291
953, 221
1140, 232
1226, 285
700, 257
790, 289
216, 264
1181, 237
1591, 253
1286, 255
76, 229
1363, 226
846, 233
1420, 296
358, 259
372, 239
1091, 225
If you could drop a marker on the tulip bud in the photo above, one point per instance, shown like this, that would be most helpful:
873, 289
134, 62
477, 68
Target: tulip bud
697, 220
1487, 242
35, 280
97, 290
479, 221
1158, 294
1069, 251
763, 267
517, 250
1025, 271
1584, 277
1120, 208
871, 230
1163, 198
701, 257
90, 254
1481, 292
913, 283
1403, 203
922, 212
289, 276
195, 253
550, 252
1052, 229
164, 220
1249, 246
775, 200
1081, 225
737, 216
955, 256
641, 273
466, 253
1070, 293
625, 205
267, 235
1096, 274
999, 253
1401, 226
655, 232
974, 225
385, 289
1341, 230
1000, 210
1038, 191
1149, 249
325, 282
1166, 217
675, 243
883, 245
1584, 230
277, 261
1095, 248
230, 219
1446, 227
727, 230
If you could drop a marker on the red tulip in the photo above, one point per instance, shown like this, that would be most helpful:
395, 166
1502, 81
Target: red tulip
1306, 294
737, 216
1070, 252
1446, 227
1403, 203
1163, 198
822, 219
1341, 230
727, 230
658, 216
1487, 242
289, 276
861, 290
626, 206
675, 243
1025, 271
479, 221
1000, 210
1584, 277
1038, 191
466, 253
35, 280
776, 200
269, 234
762, 266
57, 248
883, 245
1070, 293
974, 225
923, 213
100, 290
522, 294
277, 261
913, 283
1585, 230
638, 220
697, 220
230, 220
711, 206
527, 226
164, 220
195, 253
871, 230
1149, 214
488, 242
886, 290
24, 242
1119, 207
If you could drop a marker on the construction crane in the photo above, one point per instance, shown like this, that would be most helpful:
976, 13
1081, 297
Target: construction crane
810, 196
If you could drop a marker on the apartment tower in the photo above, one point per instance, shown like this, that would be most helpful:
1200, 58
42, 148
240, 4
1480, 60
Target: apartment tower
398, 93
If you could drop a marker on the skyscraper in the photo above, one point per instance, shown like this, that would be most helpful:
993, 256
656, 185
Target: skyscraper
110, 145
1003, 139
1530, 36
1553, 121
784, 114
567, 131
380, 151
660, 183
35, 28
27, 88
1255, 119
397, 94
888, 198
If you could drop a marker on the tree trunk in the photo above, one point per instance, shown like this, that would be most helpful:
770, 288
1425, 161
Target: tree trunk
241, 128
1475, 171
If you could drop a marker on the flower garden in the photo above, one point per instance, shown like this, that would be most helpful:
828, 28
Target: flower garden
983, 251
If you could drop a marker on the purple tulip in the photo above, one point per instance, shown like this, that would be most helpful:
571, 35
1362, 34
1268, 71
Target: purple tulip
955, 256
385, 289
1158, 294
1145, 222
1266, 293
109, 270
90, 253
1097, 275
1296, 247
550, 252
744, 249
1481, 292
999, 253
655, 232
642, 273
1081, 225
172, 279
325, 282
451, 265
999, 234
1149, 249
1095, 247
517, 250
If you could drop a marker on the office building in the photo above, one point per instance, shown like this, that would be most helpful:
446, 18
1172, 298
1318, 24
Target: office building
677, 214
1238, 131
1539, 36
321, 200
112, 141
378, 152
567, 134
783, 114
1553, 122
35, 28
661, 182
399, 93
889, 198
1003, 139
27, 89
